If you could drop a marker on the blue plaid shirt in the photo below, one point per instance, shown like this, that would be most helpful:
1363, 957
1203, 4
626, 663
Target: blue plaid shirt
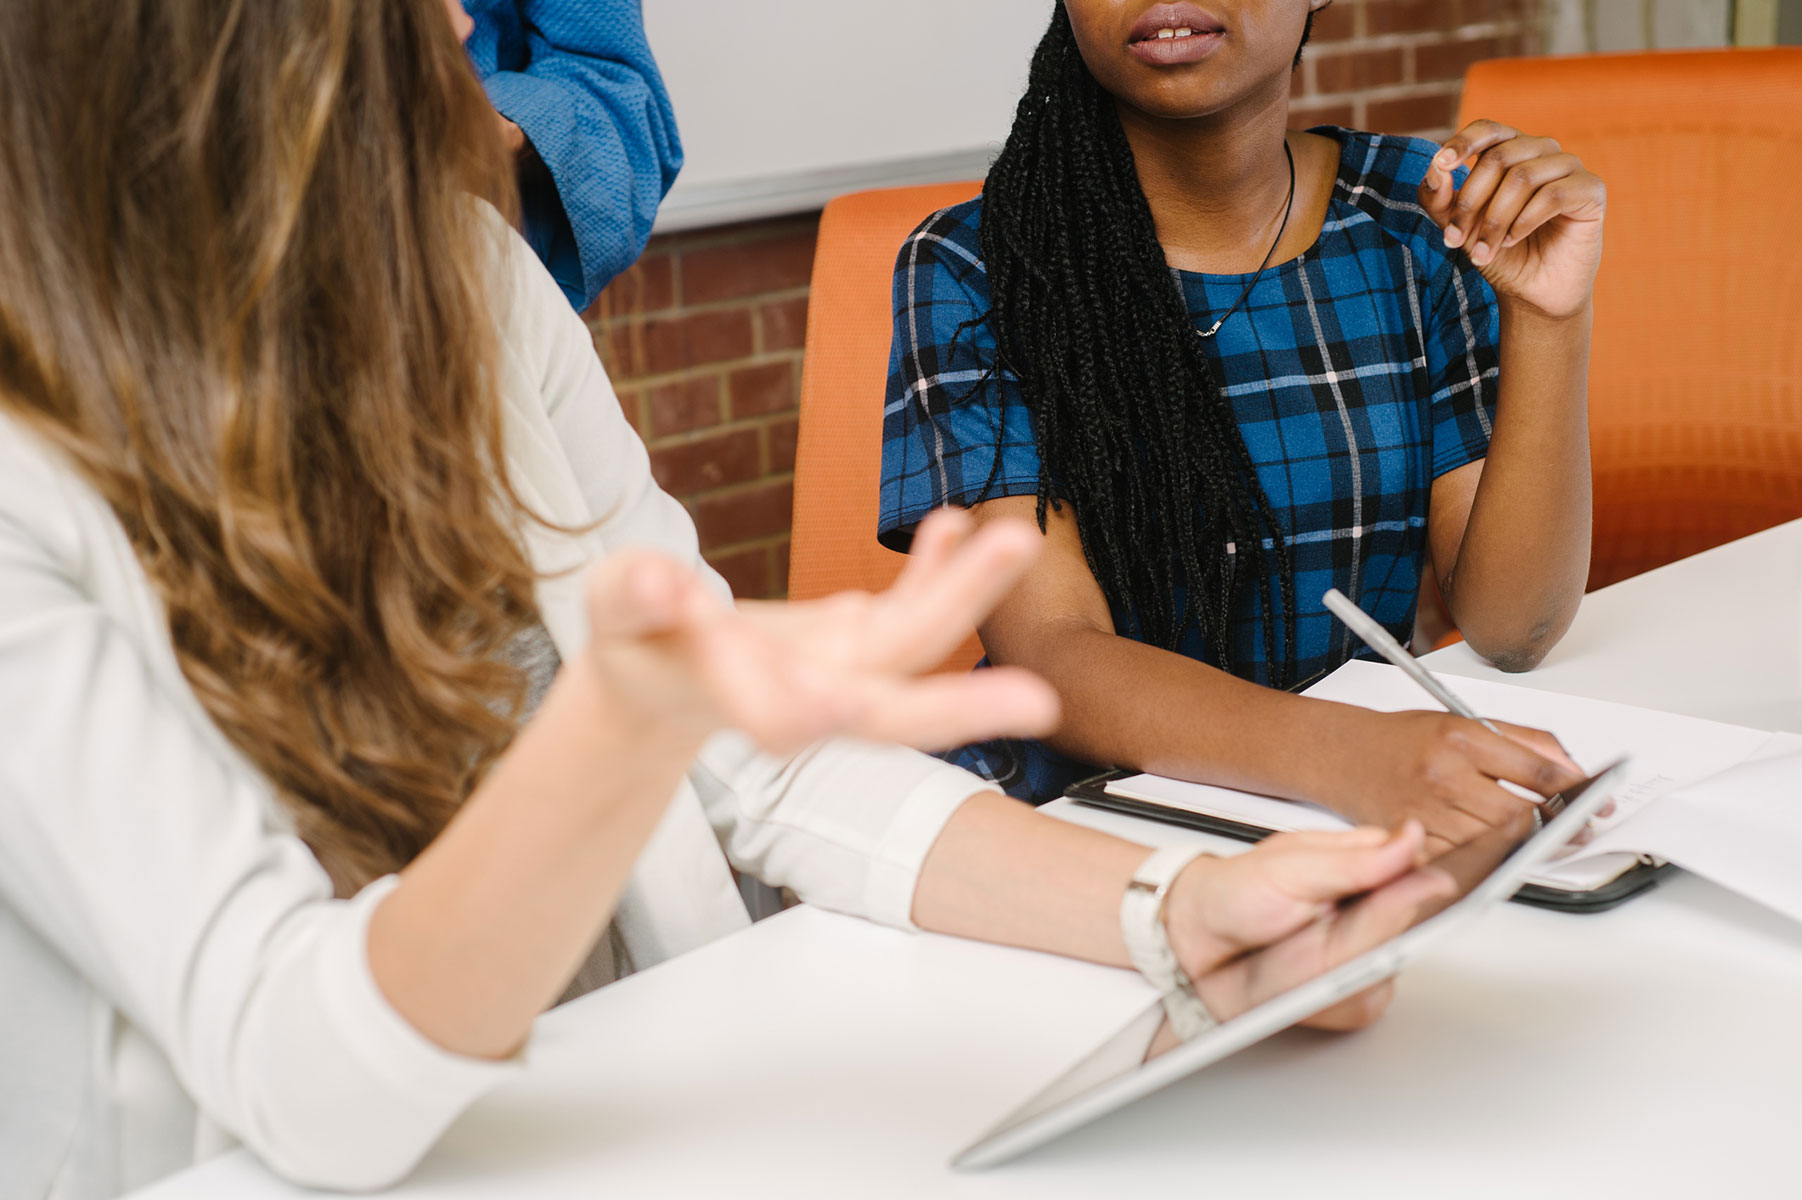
1359, 372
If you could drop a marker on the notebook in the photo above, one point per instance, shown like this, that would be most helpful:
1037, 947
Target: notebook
1663, 812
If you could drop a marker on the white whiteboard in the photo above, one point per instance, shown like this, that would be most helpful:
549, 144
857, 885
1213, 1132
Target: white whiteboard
783, 104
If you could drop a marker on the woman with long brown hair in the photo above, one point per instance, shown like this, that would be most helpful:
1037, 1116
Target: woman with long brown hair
326, 769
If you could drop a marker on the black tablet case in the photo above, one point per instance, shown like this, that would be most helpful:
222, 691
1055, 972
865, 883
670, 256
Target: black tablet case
1628, 884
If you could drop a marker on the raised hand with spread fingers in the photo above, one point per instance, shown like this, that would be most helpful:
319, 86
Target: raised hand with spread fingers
852, 663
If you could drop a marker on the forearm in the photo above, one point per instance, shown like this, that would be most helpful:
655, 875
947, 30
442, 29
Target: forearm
1126, 704
488, 925
1521, 565
1003, 872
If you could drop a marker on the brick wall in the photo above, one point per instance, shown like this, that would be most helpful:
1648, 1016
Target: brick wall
1397, 66
703, 340
703, 336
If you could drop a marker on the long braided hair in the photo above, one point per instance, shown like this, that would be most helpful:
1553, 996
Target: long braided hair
1131, 427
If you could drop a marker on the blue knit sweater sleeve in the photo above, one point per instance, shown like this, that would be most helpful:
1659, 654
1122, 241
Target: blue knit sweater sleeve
578, 78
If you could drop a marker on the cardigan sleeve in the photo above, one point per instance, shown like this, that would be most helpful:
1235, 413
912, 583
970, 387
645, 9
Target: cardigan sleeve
578, 78
845, 824
140, 845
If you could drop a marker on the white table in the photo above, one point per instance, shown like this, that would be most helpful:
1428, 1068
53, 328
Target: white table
1650, 1051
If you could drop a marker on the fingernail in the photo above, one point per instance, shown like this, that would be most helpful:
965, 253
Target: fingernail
1479, 253
1446, 157
1454, 237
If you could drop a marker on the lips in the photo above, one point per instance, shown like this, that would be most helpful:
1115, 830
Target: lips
1168, 34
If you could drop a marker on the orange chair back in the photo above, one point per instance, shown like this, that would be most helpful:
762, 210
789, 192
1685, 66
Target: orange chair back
838, 460
1695, 379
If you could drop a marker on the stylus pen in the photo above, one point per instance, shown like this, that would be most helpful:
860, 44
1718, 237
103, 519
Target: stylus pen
1379, 639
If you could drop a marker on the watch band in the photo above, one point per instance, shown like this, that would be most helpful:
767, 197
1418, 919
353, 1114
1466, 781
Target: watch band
1148, 938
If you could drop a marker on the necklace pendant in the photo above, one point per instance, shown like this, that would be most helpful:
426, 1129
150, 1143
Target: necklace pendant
1205, 334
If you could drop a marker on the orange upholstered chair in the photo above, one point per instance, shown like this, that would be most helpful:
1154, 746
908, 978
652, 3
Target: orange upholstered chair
838, 461
1695, 380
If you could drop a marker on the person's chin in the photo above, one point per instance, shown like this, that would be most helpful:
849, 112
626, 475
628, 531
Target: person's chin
1175, 93
1177, 101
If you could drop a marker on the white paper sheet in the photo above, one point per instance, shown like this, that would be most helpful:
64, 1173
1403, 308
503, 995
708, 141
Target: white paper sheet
1741, 828
1668, 752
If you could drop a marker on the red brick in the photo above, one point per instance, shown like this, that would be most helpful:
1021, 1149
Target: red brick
722, 459
621, 347
1448, 60
763, 389
1337, 22
1406, 16
781, 554
1358, 70
639, 348
648, 286
1305, 116
1412, 114
685, 405
784, 324
747, 572
737, 270
1476, 12
743, 515
781, 436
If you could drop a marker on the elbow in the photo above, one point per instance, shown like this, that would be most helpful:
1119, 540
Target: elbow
331, 1181
320, 1077
1515, 651
1517, 659
1514, 637
348, 1158
327, 1171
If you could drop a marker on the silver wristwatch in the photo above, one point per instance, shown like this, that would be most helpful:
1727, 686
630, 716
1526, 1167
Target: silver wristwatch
1147, 937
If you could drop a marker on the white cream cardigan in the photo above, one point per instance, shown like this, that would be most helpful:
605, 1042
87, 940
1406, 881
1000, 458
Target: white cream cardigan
174, 972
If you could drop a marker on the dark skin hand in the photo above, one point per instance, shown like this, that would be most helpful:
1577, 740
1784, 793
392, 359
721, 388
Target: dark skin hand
1508, 536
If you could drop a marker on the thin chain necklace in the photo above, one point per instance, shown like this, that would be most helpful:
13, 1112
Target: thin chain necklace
1287, 205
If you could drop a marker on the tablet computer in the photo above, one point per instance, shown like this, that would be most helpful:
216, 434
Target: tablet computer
1487, 870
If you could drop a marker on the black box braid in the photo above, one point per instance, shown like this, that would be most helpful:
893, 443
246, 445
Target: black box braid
1130, 425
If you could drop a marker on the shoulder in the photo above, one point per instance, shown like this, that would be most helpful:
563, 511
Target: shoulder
1379, 177
537, 330
31, 469
951, 237
513, 268
45, 502
1386, 164
1379, 188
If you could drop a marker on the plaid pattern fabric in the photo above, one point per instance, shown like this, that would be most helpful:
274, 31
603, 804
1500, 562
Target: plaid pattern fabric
1359, 373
